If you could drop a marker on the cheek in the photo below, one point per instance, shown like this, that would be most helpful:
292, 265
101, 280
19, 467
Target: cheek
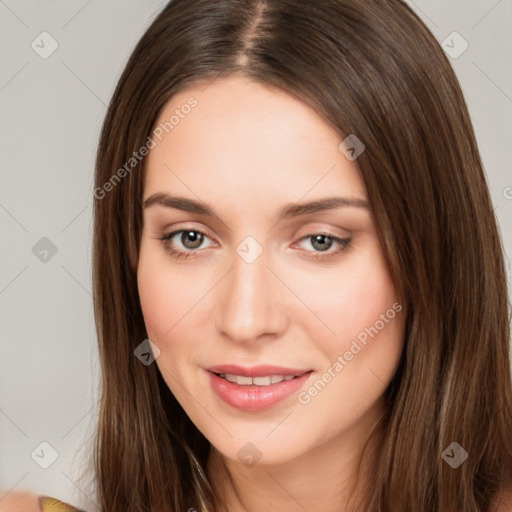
353, 300
176, 301
362, 352
164, 295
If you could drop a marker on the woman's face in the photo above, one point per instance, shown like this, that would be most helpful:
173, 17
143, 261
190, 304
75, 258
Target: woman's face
251, 278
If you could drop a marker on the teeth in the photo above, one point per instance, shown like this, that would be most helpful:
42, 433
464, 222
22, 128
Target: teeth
262, 381
242, 380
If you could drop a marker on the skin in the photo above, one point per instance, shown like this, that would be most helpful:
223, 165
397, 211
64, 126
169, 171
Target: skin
247, 150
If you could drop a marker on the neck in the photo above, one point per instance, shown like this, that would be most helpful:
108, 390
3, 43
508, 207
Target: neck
323, 478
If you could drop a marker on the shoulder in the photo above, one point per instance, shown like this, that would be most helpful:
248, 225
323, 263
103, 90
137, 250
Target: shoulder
18, 501
25, 501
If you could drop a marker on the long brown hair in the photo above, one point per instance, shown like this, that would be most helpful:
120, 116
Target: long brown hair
370, 68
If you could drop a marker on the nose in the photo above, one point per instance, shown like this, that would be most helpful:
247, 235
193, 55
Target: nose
249, 302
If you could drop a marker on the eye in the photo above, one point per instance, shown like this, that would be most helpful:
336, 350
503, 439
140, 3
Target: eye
190, 240
322, 243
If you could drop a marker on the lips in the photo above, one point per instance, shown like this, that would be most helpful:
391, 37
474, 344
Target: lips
247, 392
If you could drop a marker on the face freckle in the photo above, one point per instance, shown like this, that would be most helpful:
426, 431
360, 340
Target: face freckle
255, 288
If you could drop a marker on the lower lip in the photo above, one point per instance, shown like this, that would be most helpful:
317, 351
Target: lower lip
252, 397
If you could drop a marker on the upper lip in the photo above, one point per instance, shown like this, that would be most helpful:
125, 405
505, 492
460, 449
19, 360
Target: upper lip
255, 371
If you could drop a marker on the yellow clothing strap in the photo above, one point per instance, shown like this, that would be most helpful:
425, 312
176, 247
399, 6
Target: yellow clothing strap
49, 504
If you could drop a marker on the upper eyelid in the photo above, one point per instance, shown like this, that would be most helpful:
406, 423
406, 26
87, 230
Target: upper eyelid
312, 231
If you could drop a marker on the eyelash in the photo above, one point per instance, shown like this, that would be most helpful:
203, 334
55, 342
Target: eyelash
343, 244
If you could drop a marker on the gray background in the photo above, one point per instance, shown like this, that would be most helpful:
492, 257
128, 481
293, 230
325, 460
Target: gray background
51, 112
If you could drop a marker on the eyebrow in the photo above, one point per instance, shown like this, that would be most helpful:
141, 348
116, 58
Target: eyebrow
290, 210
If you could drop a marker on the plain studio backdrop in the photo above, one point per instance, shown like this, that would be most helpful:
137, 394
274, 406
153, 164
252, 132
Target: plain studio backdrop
59, 63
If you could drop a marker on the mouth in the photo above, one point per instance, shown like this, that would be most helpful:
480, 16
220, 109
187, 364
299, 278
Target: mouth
258, 392
265, 380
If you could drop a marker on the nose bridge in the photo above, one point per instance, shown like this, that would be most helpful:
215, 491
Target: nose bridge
248, 305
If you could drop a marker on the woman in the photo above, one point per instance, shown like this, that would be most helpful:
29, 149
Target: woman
299, 284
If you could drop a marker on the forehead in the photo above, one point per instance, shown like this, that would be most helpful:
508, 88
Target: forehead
244, 137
